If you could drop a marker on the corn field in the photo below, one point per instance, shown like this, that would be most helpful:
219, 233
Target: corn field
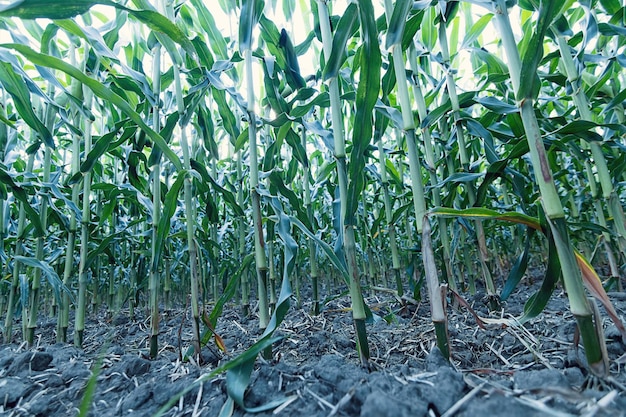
268, 156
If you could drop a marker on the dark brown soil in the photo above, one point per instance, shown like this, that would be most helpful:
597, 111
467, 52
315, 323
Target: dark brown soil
503, 370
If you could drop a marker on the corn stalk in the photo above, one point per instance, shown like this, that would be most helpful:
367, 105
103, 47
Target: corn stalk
523, 79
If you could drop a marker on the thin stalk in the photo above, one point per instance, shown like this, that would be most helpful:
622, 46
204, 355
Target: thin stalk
483, 253
257, 220
271, 268
582, 105
306, 175
64, 311
271, 240
214, 237
155, 272
391, 227
79, 319
408, 227
134, 264
190, 218
39, 251
551, 202
419, 201
241, 237
19, 250
4, 136
429, 158
367, 260
435, 292
111, 299
97, 264
358, 305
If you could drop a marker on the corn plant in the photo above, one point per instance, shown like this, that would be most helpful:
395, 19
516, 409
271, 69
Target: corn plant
165, 150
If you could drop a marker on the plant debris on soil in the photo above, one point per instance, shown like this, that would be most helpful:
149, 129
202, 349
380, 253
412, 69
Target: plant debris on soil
534, 369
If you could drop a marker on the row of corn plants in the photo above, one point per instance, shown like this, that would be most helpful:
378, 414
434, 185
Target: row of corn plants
172, 155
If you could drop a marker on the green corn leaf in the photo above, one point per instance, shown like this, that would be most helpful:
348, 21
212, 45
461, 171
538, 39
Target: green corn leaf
51, 9
289, 7
611, 6
229, 197
92, 382
50, 274
519, 268
496, 105
169, 208
487, 214
166, 133
328, 251
251, 11
390, 113
429, 29
459, 177
292, 70
240, 361
204, 55
411, 27
272, 86
397, 22
496, 68
206, 128
228, 293
321, 100
289, 243
616, 101
89, 34
347, 26
529, 80
102, 247
366, 98
608, 29
160, 25
20, 194
32, 9
585, 130
465, 100
240, 141
99, 148
207, 23
15, 85
293, 140
594, 286
56, 192
238, 377
538, 301
475, 31
276, 179
228, 118
99, 90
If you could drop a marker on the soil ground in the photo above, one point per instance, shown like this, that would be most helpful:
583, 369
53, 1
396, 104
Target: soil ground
529, 370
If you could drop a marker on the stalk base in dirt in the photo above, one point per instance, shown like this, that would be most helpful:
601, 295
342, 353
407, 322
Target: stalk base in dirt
356, 295
78, 338
398, 278
361, 342
435, 291
316, 302
593, 348
261, 274
154, 346
441, 332
576, 295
